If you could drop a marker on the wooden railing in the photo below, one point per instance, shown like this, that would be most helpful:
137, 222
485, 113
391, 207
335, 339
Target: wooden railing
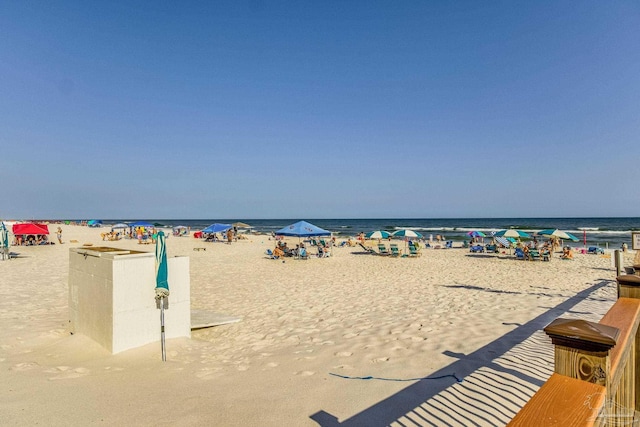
594, 381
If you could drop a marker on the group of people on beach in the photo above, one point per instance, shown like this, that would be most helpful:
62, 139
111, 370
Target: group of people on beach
300, 251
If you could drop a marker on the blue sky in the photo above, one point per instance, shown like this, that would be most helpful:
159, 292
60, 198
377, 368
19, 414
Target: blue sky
319, 109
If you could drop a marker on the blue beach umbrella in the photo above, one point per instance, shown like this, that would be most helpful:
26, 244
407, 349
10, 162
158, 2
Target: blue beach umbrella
379, 234
162, 284
476, 233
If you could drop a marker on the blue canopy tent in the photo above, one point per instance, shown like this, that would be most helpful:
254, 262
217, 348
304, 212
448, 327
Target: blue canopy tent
302, 229
217, 228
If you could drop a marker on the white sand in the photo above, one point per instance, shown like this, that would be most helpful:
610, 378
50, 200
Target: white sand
446, 312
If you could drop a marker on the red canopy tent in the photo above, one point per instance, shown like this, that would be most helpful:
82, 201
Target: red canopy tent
30, 228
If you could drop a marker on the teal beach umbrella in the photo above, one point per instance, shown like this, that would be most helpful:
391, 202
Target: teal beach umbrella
162, 284
405, 232
379, 234
512, 233
554, 232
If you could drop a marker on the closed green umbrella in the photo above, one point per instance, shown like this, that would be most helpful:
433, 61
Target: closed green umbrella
162, 284
4, 239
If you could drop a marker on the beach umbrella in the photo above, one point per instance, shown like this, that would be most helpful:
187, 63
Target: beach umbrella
405, 232
511, 233
162, 284
241, 225
554, 232
476, 233
379, 234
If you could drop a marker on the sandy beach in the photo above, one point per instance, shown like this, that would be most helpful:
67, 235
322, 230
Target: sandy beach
306, 326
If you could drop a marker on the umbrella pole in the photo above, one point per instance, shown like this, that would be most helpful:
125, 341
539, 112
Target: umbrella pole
164, 350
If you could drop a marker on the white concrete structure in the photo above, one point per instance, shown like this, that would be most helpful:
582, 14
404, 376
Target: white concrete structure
112, 297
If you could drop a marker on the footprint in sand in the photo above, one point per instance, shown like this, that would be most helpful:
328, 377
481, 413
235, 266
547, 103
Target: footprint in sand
24, 366
343, 354
67, 373
271, 365
207, 374
345, 367
305, 373
380, 359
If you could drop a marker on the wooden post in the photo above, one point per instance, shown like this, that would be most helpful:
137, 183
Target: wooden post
582, 349
629, 287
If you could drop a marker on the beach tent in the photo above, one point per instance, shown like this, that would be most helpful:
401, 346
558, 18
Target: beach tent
94, 223
216, 228
30, 228
302, 229
120, 225
141, 224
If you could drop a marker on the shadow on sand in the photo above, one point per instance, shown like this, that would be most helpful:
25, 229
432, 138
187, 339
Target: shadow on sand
497, 380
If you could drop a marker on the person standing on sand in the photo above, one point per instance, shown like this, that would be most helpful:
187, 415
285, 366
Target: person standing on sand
59, 235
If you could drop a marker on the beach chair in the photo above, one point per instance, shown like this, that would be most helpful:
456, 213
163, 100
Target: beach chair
414, 251
270, 254
476, 249
382, 249
534, 255
323, 252
491, 248
519, 253
595, 250
303, 254
367, 250
394, 249
449, 244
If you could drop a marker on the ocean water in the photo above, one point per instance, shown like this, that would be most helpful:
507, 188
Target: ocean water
603, 232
